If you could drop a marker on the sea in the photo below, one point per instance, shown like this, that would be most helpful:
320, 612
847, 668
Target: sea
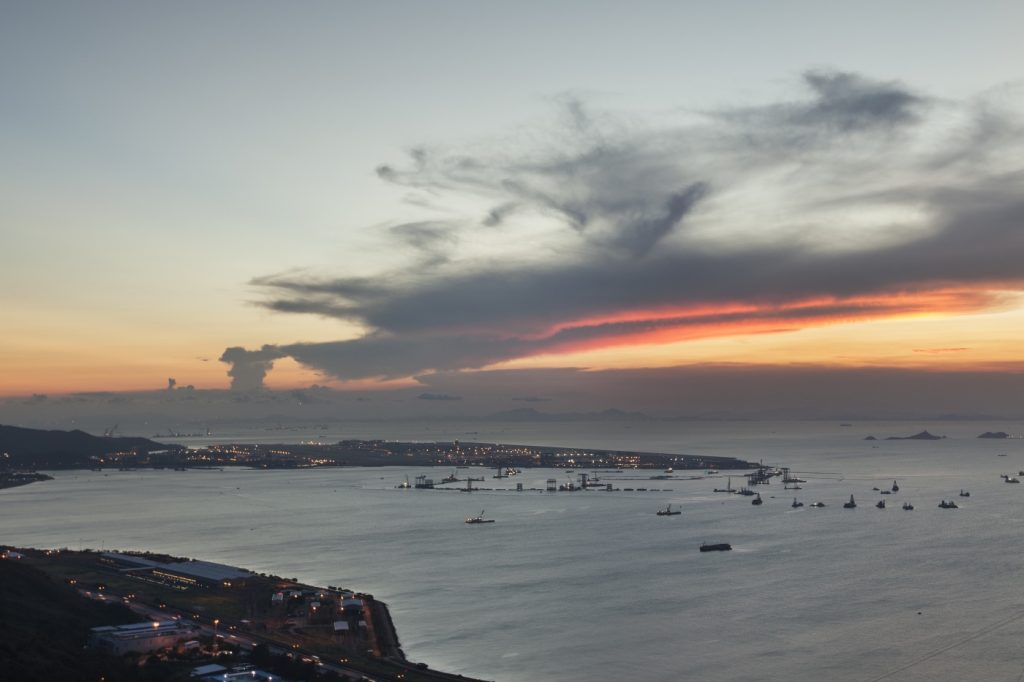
594, 585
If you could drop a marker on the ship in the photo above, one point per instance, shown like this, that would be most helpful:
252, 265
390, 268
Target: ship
895, 488
757, 500
948, 505
851, 504
908, 507
719, 547
479, 518
964, 493
667, 511
880, 504
796, 504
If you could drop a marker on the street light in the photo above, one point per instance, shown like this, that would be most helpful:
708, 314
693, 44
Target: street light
216, 622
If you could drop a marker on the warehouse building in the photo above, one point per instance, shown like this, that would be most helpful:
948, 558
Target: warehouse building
140, 638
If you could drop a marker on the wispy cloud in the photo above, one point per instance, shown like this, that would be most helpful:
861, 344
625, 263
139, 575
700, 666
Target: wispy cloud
863, 199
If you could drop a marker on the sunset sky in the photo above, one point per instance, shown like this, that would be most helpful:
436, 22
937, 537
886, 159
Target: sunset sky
367, 195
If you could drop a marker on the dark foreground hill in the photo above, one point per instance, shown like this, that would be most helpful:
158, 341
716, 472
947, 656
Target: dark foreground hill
44, 626
35, 448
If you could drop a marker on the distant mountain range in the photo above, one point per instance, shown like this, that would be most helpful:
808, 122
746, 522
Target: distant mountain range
528, 414
36, 448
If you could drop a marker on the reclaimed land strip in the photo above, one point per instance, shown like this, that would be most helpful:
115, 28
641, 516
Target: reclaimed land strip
366, 453
261, 618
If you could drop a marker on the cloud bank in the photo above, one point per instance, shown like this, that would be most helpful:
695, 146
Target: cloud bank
860, 199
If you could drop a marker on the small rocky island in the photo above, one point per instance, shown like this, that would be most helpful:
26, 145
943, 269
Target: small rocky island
923, 435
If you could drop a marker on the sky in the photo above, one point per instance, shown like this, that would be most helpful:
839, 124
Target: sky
463, 200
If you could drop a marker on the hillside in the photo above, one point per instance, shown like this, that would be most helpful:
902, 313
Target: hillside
44, 626
35, 448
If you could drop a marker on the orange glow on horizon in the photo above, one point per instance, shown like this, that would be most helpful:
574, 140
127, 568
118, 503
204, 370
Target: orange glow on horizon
949, 329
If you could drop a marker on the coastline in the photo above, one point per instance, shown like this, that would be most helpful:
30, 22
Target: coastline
129, 579
20, 478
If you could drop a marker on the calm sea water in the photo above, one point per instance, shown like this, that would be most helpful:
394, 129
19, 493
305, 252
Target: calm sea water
595, 586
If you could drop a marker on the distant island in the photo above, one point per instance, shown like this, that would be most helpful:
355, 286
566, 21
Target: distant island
994, 434
923, 435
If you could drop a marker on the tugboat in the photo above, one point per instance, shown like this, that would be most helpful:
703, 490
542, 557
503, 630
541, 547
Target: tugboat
851, 504
720, 547
964, 493
796, 504
479, 519
908, 507
757, 500
667, 511
880, 504
948, 505
895, 488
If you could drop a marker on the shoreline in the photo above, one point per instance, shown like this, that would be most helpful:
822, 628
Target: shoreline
20, 478
130, 578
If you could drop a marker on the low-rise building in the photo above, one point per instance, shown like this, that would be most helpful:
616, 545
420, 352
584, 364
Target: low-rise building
180, 573
140, 638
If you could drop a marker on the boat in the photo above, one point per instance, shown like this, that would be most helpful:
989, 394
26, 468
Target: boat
450, 478
715, 471
818, 504
796, 504
669, 470
479, 519
757, 500
719, 547
405, 484
908, 507
728, 487
1012, 479
964, 493
667, 511
851, 504
880, 504
948, 505
885, 492
747, 492
895, 488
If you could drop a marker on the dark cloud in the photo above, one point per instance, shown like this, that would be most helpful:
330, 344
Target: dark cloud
249, 367
650, 229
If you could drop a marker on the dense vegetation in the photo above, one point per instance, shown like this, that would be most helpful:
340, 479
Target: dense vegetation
44, 626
